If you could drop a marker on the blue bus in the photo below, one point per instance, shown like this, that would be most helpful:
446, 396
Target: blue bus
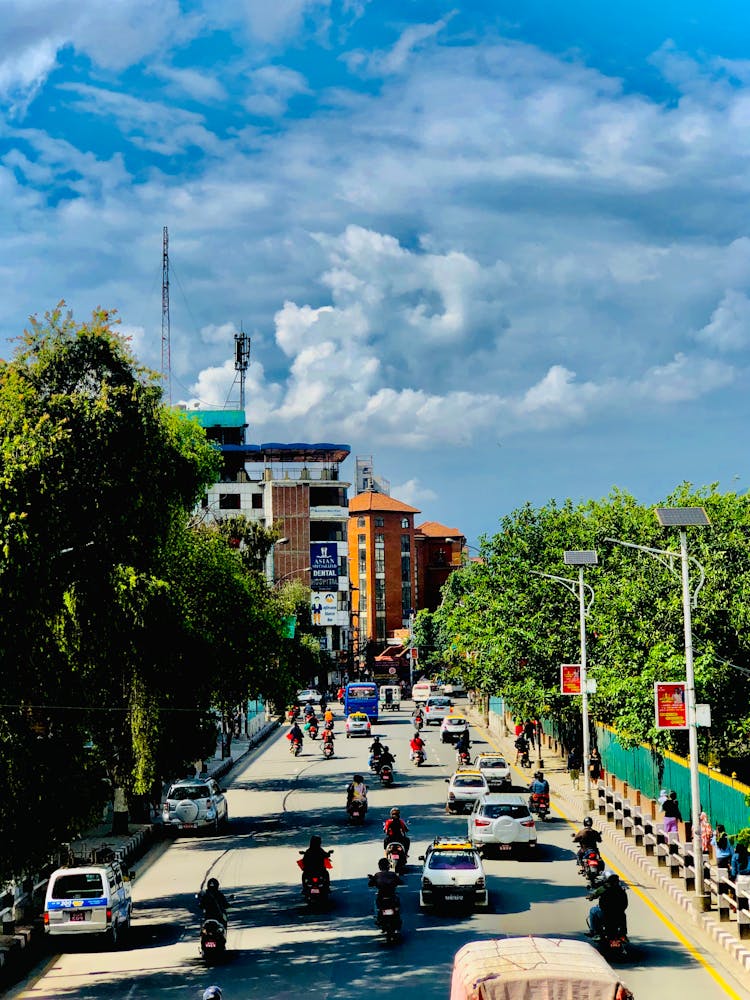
362, 696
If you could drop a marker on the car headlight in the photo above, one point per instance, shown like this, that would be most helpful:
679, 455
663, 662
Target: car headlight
479, 883
426, 884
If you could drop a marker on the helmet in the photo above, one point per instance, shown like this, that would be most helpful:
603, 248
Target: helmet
395, 813
212, 993
213, 883
588, 821
610, 876
385, 748
358, 779
384, 864
538, 774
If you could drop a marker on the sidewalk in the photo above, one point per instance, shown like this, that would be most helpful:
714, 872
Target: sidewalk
23, 936
573, 802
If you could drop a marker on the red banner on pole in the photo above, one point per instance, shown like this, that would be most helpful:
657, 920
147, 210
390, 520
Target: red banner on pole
570, 678
670, 699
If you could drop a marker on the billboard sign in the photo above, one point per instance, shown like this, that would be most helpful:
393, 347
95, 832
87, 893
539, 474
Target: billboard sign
670, 700
323, 607
570, 678
324, 566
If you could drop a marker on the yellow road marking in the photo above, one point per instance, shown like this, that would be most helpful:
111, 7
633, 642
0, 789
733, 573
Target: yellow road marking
664, 919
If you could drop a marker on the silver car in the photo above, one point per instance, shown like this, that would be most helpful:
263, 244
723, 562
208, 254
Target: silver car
464, 788
501, 822
195, 804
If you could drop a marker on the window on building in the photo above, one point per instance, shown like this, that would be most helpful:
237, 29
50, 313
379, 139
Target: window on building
343, 566
204, 502
405, 569
379, 522
406, 543
360, 522
379, 595
404, 522
257, 501
380, 627
380, 555
362, 555
229, 501
406, 605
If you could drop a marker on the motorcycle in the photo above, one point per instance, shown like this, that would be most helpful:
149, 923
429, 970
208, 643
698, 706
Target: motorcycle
418, 723
327, 749
388, 917
591, 865
329, 725
295, 747
293, 714
213, 939
316, 889
419, 757
539, 804
613, 940
356, 811
386, 775
312, 731
395, 852
463, 758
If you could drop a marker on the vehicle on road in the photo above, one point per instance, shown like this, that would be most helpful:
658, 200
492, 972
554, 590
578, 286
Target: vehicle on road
436, 708
195, 804
357, 724
455, 689
452, 875
422, 690
89, 899
502, 821
452, 726
465, 786
496, 770
591, 864
362, 696
390, 697
539, 804
395, 853
385, 773
213, 940
309, 695
534, 968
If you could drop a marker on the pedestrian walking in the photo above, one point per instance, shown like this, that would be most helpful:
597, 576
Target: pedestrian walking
574, 768
595, 765
671, 810
741, 866
529, 731
706, 832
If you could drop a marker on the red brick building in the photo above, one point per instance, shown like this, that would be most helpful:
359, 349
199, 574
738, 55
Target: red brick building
439, 552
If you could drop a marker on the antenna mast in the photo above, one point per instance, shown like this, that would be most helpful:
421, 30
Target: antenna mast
166, 347
241, 361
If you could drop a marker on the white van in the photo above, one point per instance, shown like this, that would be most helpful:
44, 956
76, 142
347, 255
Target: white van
422, 691
89, 899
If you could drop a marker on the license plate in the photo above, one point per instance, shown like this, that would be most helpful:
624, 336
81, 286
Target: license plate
315, 892
77, 915
210, 944
453, 897
388, 913
504, 847
188, 826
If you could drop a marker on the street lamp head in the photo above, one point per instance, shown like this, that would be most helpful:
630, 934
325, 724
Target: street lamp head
281, 541
581, 557
682, 517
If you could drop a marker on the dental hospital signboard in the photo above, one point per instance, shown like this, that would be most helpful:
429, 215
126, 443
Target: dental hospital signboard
324, 566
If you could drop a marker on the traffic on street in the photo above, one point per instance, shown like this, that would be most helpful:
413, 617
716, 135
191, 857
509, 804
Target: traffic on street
280, 945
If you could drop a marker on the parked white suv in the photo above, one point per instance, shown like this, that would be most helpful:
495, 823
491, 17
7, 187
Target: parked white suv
452, 875
195, 804
502, 821
496, 770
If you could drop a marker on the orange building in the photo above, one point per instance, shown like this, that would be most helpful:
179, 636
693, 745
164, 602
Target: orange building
439, 551
382, 566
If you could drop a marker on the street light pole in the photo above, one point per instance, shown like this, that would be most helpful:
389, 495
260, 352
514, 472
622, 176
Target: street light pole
683, 517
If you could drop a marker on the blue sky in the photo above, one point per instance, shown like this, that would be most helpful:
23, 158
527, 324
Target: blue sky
502, 247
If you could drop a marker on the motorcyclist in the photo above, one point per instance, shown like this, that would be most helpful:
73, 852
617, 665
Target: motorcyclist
463, 743
213, 902
328, 737
357, 792
309, 708
386, 882
416, 745
395, 829
386, 758
328, 717
612, 902
418, 714
311, 720
292, 712
522, 747
376, 750
587, 838
314, 860
295, 734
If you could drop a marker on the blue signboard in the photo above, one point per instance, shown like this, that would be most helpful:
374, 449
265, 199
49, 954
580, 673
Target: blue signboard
324, 566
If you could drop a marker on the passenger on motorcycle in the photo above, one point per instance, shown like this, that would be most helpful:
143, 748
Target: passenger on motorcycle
587, 838
295, 734
328, 736
309, 709
328, 717
386, 758
213, 902
311, 720
522, 748
463, 743
314, 860
416, 744
357, 792
612, 902
396, 830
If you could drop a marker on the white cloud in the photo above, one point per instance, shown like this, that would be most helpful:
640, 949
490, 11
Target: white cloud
201, 86
685, 379
729, 328
272, 87
414, 493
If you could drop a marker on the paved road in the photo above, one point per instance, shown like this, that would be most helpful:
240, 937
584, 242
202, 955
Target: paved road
278, 950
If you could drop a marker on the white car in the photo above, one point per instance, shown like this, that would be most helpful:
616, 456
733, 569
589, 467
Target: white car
464, 788
496, 770
502, 821
436, 708
195, 804
452, 875
308, 695
452, 726
357, 724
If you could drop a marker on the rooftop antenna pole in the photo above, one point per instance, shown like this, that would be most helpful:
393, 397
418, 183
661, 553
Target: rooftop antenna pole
241, 361
166, 349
